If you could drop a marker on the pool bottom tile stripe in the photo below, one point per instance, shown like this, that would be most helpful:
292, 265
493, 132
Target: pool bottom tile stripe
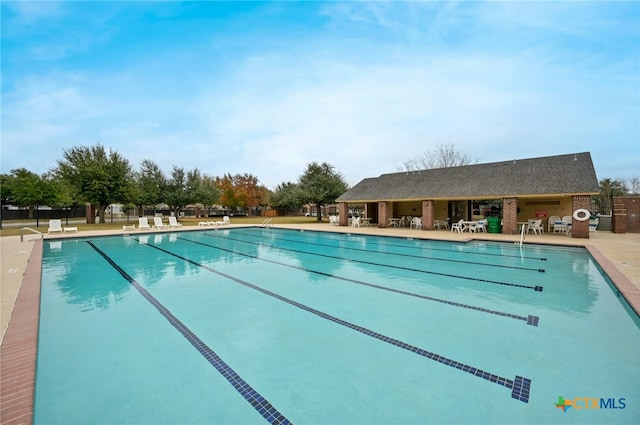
374, 240
420, 257
530, 320
259, 403
536, 288
412, 348
520, 390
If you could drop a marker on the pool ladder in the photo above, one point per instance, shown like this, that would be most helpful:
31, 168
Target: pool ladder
31, 230
522, 235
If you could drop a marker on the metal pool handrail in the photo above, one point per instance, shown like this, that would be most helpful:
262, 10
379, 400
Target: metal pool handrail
31, 230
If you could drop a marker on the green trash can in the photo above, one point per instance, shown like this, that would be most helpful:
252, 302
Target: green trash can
493, 225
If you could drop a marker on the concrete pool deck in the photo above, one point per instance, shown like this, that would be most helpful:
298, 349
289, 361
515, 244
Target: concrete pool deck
617, 254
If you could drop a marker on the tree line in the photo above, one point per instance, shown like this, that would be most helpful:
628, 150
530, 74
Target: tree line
95, 175
101, 177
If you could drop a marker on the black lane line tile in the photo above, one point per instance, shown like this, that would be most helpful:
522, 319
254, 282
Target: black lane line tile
495, 282
372, 285
252, 396
357, 328
424, 257
371, 239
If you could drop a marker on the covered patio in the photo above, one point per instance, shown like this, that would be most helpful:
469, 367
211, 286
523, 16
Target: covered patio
545, 188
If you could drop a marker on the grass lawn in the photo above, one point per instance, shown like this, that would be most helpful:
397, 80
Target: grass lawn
44, 224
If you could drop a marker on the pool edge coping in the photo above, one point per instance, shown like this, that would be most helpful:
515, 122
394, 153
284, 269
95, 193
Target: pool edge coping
622, 283
18, 352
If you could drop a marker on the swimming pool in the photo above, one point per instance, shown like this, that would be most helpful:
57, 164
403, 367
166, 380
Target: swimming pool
250, 324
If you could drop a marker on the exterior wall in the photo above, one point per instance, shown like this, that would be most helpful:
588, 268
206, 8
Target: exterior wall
633, 214
412, 208
580, 229
535, 208
440, 210
428, 213
626, 215
343, 214
385, 212
510, 216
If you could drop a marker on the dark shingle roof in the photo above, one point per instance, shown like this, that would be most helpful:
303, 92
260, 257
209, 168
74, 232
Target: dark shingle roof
551, 175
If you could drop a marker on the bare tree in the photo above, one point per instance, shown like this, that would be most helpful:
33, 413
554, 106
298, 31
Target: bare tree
443, 156
634, 185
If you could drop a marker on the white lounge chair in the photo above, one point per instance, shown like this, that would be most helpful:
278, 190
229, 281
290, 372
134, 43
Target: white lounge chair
158, 224
173, 222
267, 222
55, 226
143, 223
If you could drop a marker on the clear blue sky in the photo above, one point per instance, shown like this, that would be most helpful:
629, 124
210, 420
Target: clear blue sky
267, 87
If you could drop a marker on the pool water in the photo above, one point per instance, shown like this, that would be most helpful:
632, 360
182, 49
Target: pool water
250, 325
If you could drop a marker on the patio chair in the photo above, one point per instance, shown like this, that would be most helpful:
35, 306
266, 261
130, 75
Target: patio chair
55, 226
355, 222
416, 223
442, 223
536, 227
333, 220
480, 226
458, 227
173, 222
593, 226
552, 221
567, 219
143, 223
559, 226
225, 221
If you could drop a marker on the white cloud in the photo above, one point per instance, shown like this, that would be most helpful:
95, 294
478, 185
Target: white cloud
365, 111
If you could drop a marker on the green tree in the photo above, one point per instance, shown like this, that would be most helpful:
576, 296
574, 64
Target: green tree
287, 196
65, 195
608, 189
151, 185
5, 189
98, 176
320, 185
209, 193
263, 197
24, 188
183, 188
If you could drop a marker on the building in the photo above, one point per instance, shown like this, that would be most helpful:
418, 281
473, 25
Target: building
515, 190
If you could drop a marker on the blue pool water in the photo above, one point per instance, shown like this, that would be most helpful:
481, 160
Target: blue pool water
254, 325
